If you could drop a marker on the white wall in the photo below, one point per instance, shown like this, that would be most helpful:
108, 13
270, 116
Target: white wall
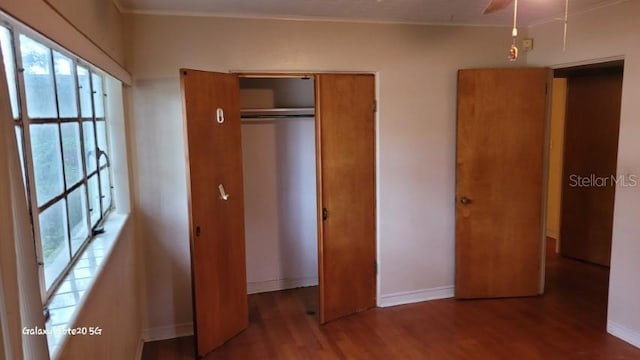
610, 32
416, 72
91, 29
99, 20
160, 204
280, 204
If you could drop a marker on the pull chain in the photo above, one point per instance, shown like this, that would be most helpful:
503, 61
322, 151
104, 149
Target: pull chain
566, 21
513, 51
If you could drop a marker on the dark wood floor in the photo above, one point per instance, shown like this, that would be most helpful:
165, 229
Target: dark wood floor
568, 322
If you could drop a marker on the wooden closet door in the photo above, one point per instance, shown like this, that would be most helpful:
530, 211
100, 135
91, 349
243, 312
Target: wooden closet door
214, 166
346, 170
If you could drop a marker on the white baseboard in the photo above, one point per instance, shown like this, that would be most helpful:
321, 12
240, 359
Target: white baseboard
624, 333
410, 297
280, 284
139, 349
167, 332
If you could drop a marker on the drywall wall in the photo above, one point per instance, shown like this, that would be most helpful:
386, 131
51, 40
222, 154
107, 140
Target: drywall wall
558, 107
416, 70
610, 32
279, 172
280, 204
92, 29
113, 306
99, 20
160, 204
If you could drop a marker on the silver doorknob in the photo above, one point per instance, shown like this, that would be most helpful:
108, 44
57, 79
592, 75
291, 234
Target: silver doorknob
465, 200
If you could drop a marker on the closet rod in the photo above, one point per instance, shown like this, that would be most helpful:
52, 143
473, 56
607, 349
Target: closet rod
277, 113
276, 116
259, 118
265, 111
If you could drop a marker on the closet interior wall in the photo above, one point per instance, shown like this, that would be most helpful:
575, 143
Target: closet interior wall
279, 186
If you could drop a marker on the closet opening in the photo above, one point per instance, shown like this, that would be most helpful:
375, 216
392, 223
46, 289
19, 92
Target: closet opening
280, 185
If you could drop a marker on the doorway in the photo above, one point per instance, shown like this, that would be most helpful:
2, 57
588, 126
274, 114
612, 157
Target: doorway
584, 132
585, 123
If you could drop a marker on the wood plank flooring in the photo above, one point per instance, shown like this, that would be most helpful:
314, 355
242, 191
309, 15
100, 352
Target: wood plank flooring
568, 322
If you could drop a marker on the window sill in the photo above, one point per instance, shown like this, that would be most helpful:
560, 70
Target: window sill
70, 296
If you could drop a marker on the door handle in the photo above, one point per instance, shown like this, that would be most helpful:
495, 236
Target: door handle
223, 194
465, 200
220, 115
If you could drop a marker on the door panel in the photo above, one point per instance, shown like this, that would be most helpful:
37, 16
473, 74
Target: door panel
591, 147
346, 168
499, 182
214, 158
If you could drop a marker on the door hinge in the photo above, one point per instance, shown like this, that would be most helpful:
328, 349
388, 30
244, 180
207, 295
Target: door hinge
375, 105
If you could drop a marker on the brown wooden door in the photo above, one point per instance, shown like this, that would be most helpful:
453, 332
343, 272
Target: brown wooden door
591, 153
499, 182
346, 168
214, 162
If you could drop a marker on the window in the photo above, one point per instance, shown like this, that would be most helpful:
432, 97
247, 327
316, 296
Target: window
57, 103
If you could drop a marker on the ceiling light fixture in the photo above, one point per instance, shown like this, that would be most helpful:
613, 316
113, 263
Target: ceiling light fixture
497, 5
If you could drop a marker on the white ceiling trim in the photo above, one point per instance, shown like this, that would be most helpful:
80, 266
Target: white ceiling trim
298, 18
588, 62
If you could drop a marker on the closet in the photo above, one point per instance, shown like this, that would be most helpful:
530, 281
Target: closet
282, 193
279, 168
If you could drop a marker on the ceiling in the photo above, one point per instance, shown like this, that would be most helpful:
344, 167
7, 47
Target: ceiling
463, 12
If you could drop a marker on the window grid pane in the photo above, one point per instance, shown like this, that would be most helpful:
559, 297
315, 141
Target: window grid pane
78, 220
101, 132
38, 79
47, 161
90, 153
53, 239
98, 95
10, 69
84, 87
72, 153
65, 86
94, 200
21, 153
105, 189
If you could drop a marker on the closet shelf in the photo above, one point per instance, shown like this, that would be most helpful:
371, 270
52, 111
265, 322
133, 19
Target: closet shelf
271, 113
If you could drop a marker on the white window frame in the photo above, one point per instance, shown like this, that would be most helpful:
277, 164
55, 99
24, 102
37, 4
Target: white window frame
16, 29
